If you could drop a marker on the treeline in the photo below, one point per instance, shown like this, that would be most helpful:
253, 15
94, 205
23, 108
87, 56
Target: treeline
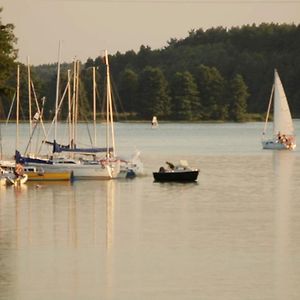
217, 74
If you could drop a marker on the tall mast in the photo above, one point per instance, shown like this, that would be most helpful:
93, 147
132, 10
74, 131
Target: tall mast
94, 103
107, 106
73, 105
77, 99
29, 97
57, 89
69, 107
268, 112
109, 110
18, 104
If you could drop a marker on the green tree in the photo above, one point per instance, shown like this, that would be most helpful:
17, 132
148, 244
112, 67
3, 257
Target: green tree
84, 109
89, 63
144, 57
8, 54
212, 87
238, 92
86, 76
128, 86
153, 94
185, 97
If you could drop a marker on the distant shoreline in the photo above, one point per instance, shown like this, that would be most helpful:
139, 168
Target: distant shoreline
122, 119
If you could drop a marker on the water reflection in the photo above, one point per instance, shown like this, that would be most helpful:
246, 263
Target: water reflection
90, 213
110, 207
283, 162
56, 230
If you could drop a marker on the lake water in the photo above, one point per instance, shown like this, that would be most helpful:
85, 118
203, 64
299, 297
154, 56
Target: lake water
233, 235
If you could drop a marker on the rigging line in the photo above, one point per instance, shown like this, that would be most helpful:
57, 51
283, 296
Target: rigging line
10, 109
88, 130
116, 96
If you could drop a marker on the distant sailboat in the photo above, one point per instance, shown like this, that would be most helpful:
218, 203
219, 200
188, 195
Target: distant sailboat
154, 122
283, 129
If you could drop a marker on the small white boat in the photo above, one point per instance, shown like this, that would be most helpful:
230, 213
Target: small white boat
5, 176
283, 130
17, 181
130, 168
10, 176
154, 122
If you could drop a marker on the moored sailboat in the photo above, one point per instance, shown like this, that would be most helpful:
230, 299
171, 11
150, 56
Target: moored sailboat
81, 162
283, 137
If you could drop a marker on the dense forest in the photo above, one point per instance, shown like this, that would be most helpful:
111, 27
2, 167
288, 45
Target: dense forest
217, 74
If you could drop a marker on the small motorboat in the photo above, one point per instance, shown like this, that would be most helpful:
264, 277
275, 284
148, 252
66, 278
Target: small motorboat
17, 181
176, 173
10, 175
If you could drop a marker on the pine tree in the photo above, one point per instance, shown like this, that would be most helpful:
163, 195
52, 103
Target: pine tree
8, 54
238, 92
185, 97
153, 94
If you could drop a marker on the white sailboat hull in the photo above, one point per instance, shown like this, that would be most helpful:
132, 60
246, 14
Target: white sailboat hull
92, 172
82, 171
275, 145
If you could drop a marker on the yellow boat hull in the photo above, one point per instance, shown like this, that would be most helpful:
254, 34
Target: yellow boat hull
49, 176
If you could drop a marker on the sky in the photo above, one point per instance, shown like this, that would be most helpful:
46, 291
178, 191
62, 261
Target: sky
87, 27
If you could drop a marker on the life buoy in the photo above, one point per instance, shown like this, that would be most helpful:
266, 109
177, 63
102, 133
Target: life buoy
19, 170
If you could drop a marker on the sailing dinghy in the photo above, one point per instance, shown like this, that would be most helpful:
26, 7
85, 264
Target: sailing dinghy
283, 130
154, 122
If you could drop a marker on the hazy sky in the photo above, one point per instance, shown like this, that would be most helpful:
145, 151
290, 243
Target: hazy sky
86, 27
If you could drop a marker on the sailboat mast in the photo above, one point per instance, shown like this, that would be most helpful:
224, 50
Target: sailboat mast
109, 105
18, 106
73, 106
94, 103
269, 108
57, 90
77, 99
69, 107
29, 97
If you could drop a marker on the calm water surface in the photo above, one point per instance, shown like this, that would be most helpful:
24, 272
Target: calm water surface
233, 235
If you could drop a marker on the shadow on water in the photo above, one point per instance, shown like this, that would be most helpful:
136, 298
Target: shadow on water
175, 183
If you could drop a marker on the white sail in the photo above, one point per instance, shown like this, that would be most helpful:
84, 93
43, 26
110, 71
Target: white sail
283, 129
282, 117
154, 121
